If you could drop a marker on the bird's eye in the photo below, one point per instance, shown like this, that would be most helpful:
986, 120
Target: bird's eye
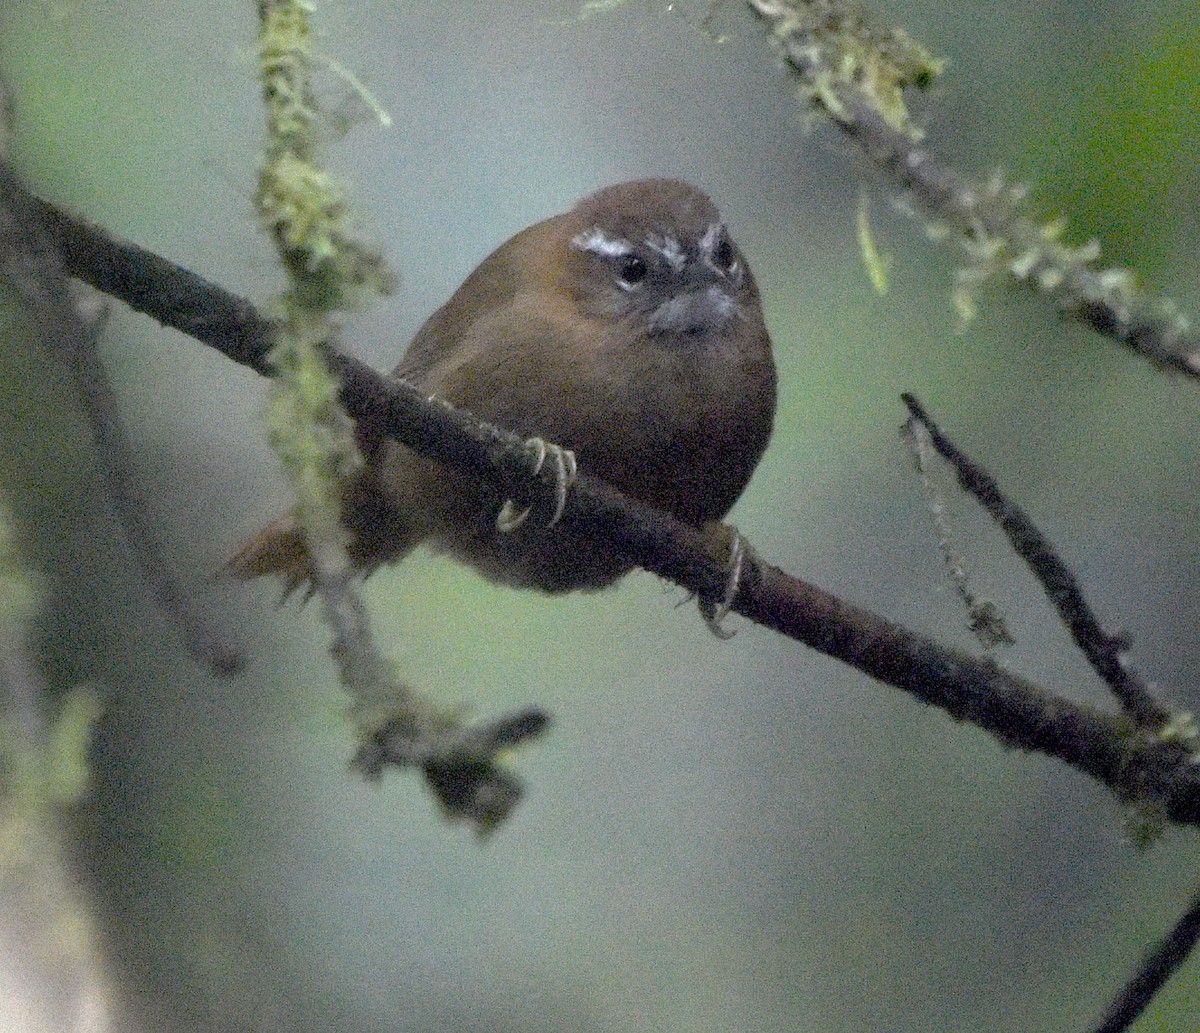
723, 255
632, 269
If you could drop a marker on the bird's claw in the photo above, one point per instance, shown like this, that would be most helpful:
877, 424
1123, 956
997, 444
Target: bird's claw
565, 470
714, 611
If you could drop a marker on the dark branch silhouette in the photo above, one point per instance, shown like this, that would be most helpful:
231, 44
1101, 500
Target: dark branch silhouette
1108, 654
30, 262
1158, 966
1134, 761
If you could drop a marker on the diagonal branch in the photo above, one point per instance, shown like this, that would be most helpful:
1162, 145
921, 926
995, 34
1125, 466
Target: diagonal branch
1159, 965
1134, 762
853, 70
1108, 654
32, 266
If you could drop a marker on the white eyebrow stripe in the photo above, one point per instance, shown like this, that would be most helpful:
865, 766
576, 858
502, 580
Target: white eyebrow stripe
712, 235
670, 249
600, 243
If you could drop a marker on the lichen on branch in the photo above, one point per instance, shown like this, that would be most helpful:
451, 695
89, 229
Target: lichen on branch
846, 47
855, 70
305, 212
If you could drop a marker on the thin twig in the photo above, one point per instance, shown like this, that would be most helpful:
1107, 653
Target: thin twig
32, 265
1157, 967
1108, 654
301, 207
327, 269
983, 616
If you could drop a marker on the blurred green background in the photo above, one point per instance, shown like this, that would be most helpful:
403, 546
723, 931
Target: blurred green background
735, 836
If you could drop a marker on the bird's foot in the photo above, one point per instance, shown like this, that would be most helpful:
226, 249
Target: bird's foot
714, 611
562, 462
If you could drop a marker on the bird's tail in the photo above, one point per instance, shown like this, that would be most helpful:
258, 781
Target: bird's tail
278, 549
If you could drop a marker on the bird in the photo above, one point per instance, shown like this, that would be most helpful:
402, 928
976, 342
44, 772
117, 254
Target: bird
626, 336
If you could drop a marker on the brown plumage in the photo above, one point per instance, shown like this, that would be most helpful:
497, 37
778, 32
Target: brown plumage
628, 330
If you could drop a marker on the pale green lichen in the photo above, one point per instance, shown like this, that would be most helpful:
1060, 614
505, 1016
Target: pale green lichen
43, 763
877, 264
838, 45
1146, 816
1002, 240
301, 205
44, 769
309, 430
305, 211
984, 617
1182, 729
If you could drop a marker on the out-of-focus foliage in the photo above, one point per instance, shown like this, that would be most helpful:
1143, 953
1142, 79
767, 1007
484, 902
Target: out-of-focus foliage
1121, 168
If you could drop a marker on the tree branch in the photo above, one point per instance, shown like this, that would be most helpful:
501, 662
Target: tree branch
1156, 968
31, 265
1107, 654
853, 69
1112, 748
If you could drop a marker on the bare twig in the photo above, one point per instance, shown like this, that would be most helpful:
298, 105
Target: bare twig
1108, 654
32, 265
983, 616
1157, 967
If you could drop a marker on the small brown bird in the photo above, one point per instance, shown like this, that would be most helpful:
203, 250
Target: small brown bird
628, 330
